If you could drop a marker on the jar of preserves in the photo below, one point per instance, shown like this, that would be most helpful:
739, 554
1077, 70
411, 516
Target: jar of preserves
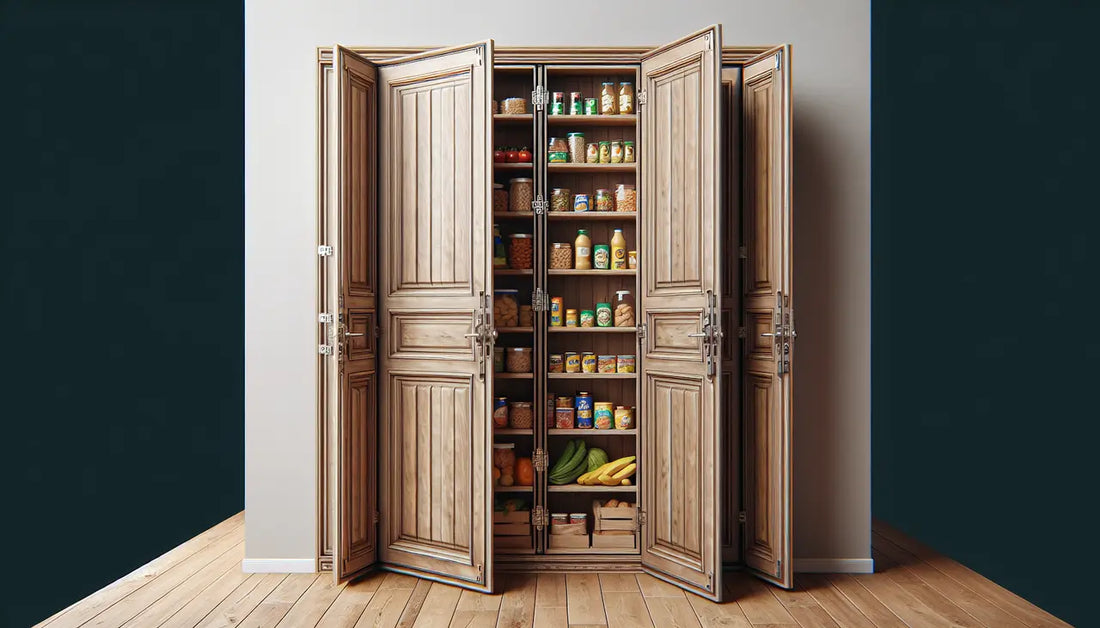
605, 152
601, 257
557, 103
609, 100
560, 200
624, 418
617, 152
618, 250
513, 106
521, 415
624, 309
521, 191
520, 251
558, 150
626, 198
517, 359
571, 319
576, 103
628, 151
603, 315
604, 201
576, 147
582, 251
500, 198
561, 255
626, 97
592, 154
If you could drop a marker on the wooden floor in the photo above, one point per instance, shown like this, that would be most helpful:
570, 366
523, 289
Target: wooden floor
200, 583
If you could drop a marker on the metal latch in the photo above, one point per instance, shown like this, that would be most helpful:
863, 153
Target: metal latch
539, 459
641, 520
642, 330
325, 250
741, 518
641, 96
539, 518
538, 300
325, 349
325, 318
539, 97
539, 205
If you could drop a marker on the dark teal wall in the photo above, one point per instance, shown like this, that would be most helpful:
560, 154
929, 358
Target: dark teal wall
122, 209
985, 220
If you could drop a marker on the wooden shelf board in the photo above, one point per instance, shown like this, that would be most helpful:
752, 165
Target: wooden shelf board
514, 118
513, 489
515, 330
590, 551
590, 432
593, 330
515, 215
514, 375
518, 271
515, 166
591, 215
592, 375
591, 167
596, 120
515, 431
579, 488
589, 273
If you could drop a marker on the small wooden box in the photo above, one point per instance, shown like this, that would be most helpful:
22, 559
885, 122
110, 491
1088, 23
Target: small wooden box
516, 516
568, 541
618, 541
614, 518
568, 528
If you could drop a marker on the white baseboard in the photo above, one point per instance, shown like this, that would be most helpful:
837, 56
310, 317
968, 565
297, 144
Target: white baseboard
834, 565
279, 565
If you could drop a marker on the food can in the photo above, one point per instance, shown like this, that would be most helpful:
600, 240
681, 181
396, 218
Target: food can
559, 518
588, 362
588, 318
605, 152
580, 202
583, 405
559, 157
557, 103
578, 517
500, 412
601, 257
498, 359
616, 152
624, 418
576, 103
605, 364
563, 418
592, 153
631, 259
624, 364
603, 315
572, 362
571, 318
557, 363
556, 305
628, 151
563, 402
591, 106
604, 415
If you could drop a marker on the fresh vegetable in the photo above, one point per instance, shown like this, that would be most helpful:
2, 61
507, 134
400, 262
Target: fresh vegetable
525, 155
571, 464
511, 155
498, 156
525, 472
596, 458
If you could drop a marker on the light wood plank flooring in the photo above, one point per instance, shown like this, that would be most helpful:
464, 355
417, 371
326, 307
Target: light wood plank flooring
200, 583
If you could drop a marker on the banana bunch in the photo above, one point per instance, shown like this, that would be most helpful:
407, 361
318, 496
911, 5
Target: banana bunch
571, 464
614, 473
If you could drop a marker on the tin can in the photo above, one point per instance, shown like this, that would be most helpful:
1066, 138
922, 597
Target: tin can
583, 405
601, 257
603, 315
632, 259
563, 418
580, 202
628, 151
576, 103
559, 518
571, 318
624, 364
591, 106
616, 152
556, 306
563, 402
605, 152
557, 103
572, 362
588, 362
578, 517
592, 153
604, 415
624, 418
500, 412
557, 363
559, 157
605, 364
588, 318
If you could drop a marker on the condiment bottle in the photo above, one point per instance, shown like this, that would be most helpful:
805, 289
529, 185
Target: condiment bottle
618, 251
582, 250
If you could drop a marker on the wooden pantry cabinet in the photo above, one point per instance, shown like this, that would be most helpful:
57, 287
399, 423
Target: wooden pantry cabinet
406, 330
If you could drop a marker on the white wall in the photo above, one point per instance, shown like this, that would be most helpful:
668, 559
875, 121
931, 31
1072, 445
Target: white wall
831, 73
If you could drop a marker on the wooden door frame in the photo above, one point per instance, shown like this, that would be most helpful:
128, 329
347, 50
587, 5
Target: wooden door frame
731, 56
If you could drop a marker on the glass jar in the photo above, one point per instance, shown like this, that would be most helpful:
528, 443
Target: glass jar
616, 151
628, 151
603, 315
561, 256
592, 154
582, 249
626, 97
558, 150
517, 359
500, 412
521, 415
520, 251
521, 193
504, 457
604, 201
576, 147
500, 198
505, 308
557, 103
624, 309
626, 198
605, 152
513, 106
609, 100
560, 200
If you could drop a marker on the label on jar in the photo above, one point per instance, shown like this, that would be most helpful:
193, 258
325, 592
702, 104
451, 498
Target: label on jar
605, 364
601, 257
632, 259
580, 204
583, 402
603, 315
618, 258
556, 311
592, 155
624, 418
557, 108
616, 152
628, 152
583, 252
607, 103
604, 416
563, 418
588, 318
605, 152
500, 412
557, 363
625, 364
588, 363
591, 107
572, 363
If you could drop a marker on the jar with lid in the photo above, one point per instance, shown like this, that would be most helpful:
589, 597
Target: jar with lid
505, 307
558, 150
517, 359
616, 151
513, 106
521, 193
628, 151
560, 200
626, 97
504, 461
521, 415
605, 152
618, 250
561, 256
576, 147
582, 248
500, 198
624, 309
604, 201
520, 251
609, 105
626, 198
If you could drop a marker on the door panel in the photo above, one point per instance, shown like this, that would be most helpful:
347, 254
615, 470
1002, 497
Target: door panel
353, 287
767, 315
435, 228
680, 470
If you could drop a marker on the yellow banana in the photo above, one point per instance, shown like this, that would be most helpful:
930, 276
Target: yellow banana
625, 472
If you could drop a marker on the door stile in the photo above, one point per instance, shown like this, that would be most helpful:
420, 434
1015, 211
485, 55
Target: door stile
539, 284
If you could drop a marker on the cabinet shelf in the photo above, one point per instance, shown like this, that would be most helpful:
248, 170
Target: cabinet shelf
513, 489
589, 432
513, 118
514, 166
590, 167
515, 330
587, 216
580, 488
513, 431
514, 375
629, 119
514, 215
514, 271
592, 273
593, 330
592, 375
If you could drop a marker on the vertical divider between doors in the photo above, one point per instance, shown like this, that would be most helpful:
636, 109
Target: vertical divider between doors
539, 282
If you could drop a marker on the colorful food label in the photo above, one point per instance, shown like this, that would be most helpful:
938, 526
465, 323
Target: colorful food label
572, 363
557, 363
605, 364
588, 363
625, 364
604, 416
563, 418
601, 256
580, 202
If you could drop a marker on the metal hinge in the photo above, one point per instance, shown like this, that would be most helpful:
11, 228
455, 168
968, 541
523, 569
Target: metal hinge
641, 98
641, 520
741, 333
538, 300
377, 516
778, 568
377, 331
539, 97
741, 518
743, 252
642, 330
324, 250
539, 518
325, 318
778, 59
539, 459
325, 349
539, 205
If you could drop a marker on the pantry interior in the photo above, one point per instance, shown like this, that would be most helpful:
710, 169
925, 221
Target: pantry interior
496, 398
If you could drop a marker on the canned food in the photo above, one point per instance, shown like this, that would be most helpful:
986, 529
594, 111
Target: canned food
601, 257
578, 517
592, 153
557, 363
624, 418
591, 106
604, 415
588, 362
624, 364
580, 202
556, 306
563, 402
583, 415
617, 152
563, 418
571, 319
557, 103
559, 518
572, 362
605, 364
588, 318
605, 152
559, 157
631, 259
500, 412
603, 315
576, 103
628, 151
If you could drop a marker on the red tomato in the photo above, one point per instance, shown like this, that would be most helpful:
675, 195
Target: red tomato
512, 155
525, 155
498, 156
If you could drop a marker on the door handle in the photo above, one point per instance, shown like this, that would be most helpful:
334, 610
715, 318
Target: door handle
769, 334
473, 335
699, 335
348, 334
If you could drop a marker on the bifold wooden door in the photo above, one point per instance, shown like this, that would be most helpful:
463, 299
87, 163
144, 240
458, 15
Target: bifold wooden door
767, 316
680, 416
433, 191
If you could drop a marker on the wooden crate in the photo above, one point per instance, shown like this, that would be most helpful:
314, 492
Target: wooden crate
568, 541
613, 540
516, 516
614, 518
569, 528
